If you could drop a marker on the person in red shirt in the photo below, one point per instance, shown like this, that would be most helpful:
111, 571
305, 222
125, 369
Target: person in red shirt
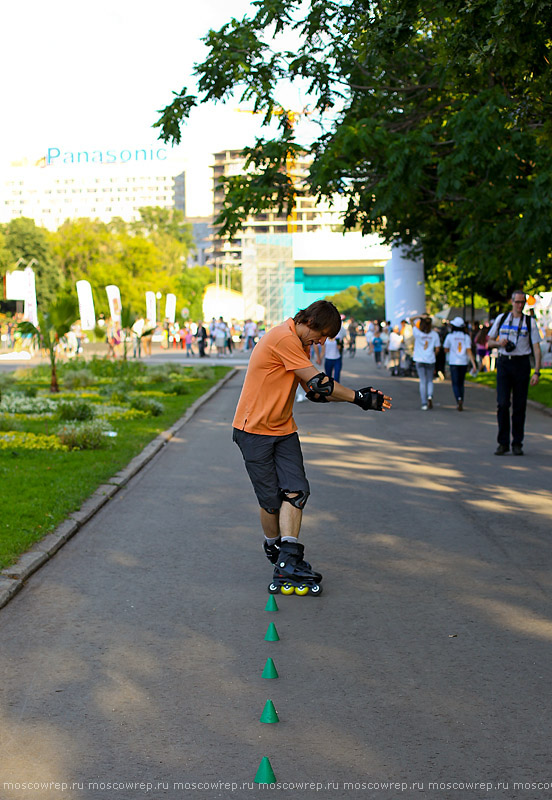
266, 433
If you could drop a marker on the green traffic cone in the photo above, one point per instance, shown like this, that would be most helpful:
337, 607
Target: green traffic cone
271, 633
269, 714
271, 604
270, 670
265, 773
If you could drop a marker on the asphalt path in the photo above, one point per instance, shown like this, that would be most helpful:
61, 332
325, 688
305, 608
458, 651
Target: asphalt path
131, 662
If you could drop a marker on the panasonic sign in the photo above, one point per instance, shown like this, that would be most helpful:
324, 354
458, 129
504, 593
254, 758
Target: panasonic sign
56, 157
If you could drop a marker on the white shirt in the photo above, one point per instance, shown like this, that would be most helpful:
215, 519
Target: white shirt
331, 350
458, 344
509, 327
395, 340
424, 346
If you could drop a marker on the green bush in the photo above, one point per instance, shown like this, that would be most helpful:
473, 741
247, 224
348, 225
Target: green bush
76, 409
205, 373
109, 368
157, 375
17, 403
79, 377
117, 392
147, 404
179, 388
83, 436
9, 424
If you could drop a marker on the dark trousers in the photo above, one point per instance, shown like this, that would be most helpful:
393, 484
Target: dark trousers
332, 368
457, 378
512, 381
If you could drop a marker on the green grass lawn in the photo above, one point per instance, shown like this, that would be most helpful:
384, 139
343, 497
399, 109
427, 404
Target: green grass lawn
40, 488
542, 393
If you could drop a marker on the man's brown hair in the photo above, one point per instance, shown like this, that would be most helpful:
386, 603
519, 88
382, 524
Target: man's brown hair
320, 316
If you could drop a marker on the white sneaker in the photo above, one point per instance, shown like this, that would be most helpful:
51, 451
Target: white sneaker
424, 408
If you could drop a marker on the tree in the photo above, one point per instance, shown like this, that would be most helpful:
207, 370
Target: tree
117, 254
53, 324
23, 239
364, 302
436, 124
191, 289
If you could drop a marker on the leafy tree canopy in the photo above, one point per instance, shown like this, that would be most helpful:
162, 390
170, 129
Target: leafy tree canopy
23, 239
436, 124
361, 303
148, 255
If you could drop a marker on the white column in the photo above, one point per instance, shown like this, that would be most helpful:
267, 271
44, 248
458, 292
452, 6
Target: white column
404, 286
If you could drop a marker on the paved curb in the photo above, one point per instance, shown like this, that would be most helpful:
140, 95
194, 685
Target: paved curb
12, 579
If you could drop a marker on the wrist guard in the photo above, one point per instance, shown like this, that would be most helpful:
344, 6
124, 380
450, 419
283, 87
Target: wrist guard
321, 384
369, 399
316, 398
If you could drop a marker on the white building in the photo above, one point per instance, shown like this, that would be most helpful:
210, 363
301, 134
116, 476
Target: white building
99, 184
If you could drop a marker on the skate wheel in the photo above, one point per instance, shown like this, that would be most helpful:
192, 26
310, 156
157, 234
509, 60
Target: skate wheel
301, 590
287, 588
316, 589
273, 588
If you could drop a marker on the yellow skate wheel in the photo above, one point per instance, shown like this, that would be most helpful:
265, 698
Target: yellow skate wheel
302, 590
287, 588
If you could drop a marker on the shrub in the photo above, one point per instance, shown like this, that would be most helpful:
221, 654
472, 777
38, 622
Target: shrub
9, 424
179, 388
19, 404
108, 368
79, 377
206, 373
22, 440
153, 407
77, 410
158, 375
83, 436
117, 392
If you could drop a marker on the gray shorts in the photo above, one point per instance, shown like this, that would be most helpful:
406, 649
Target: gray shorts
274, 465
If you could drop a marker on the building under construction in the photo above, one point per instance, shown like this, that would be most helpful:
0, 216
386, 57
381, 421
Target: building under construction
288, 262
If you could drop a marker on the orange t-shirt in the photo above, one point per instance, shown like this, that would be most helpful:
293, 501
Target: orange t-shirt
266, 401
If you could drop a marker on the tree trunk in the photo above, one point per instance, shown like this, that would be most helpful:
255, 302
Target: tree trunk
54, 385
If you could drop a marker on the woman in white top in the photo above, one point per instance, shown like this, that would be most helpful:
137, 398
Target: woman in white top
426, 342
331, 352
458, 345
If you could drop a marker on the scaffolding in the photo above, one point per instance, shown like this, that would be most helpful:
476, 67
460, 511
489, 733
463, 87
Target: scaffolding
268, 274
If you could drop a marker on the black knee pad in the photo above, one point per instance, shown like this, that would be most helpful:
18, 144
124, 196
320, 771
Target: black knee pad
270, 510
299, 501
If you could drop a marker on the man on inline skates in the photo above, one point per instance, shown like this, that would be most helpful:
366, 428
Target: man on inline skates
266, 433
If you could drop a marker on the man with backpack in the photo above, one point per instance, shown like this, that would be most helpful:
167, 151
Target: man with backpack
517, 337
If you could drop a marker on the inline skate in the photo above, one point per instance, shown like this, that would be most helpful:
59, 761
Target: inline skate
292, 574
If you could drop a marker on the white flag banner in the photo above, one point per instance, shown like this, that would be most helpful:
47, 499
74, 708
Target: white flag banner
151, 308
114, 299
14, 285
170, 307
30, 311
86, 306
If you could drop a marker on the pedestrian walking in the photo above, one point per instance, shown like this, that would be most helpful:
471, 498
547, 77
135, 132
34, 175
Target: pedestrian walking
517, 337
426, 343
458, 346
266, 433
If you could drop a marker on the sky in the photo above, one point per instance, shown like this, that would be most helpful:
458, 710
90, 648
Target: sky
87, 76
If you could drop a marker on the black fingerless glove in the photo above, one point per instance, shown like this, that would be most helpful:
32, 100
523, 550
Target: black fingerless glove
369, 399
317, 398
